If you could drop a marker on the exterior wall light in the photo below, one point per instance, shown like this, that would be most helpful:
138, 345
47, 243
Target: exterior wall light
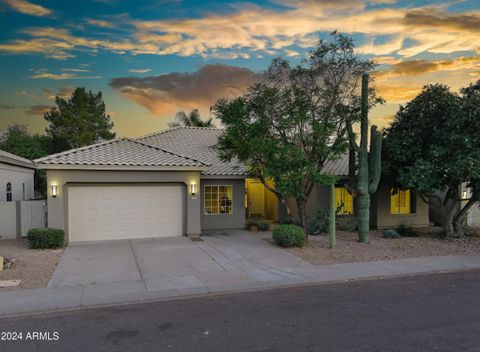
193, 189
54, 191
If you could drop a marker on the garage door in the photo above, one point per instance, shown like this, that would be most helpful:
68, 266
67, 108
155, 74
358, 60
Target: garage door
123, 212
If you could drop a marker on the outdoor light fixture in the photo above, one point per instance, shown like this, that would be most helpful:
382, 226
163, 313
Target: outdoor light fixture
54, 190
464, 194
193, 189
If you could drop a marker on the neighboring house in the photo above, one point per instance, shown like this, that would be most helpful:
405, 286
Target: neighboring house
172, 183
16, 184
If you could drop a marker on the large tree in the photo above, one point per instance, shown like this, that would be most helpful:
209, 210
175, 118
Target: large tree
433, 145
286, 127
78, 121
191, 120
16, 139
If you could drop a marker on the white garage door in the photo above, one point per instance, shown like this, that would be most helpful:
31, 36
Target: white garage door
122, 212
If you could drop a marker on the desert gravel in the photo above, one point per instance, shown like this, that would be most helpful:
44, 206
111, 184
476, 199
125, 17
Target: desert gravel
34, 266
349, 250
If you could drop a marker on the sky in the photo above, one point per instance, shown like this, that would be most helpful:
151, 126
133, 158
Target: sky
153, 58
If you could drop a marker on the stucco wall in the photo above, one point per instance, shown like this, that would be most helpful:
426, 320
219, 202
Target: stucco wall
384, 219
16, 176
8, 220
225, 221
58, 206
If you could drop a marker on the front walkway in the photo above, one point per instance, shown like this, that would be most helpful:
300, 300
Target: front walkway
117, 272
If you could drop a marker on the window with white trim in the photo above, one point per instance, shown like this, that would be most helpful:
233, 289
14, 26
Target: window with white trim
218, 199
9, 192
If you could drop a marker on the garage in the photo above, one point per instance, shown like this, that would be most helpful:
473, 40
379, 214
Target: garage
112, 212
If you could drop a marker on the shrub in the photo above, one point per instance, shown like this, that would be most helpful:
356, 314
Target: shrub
251, 223
471, 231
263, 226
346, 223
288, 236
45, 238
393, 234
406, 230
319, 224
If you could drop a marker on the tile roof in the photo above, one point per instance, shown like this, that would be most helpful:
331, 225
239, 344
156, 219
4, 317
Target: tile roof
13, 159
198, 143
338, 167
120, 152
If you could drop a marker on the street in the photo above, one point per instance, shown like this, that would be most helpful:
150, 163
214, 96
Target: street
438, 312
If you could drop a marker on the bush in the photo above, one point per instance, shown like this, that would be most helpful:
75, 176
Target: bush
406, 230
393, 234
251, 223
346, 223
471, 231
45, 238
288, 236
262, 226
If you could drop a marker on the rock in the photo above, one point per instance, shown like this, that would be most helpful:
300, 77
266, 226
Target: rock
7, 265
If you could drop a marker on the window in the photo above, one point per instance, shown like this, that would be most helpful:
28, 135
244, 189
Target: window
343, 201
399, 201
9, 192
218, 200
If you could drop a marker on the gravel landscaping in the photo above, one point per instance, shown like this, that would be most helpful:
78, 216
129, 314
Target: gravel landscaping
349, 250
33, 266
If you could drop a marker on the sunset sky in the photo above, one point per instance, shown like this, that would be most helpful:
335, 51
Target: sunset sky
153, 58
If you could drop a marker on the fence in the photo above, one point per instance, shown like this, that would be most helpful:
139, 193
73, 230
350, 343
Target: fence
16, 218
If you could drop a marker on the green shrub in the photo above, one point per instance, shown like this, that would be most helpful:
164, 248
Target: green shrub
262, 226
251, 223
393, 234
45, 238
346, 223
471, 231
288, 236
406, 230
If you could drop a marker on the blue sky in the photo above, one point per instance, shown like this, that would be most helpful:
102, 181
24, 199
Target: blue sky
153, 58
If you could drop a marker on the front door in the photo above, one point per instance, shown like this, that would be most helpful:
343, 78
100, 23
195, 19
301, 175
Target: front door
256, 198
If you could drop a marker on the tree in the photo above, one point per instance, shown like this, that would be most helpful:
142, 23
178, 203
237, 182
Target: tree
16, 139
191, 120
79, 121
286, 127
364, 181
433, 145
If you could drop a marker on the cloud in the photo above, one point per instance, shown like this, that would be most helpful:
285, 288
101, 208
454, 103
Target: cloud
63, 92
28, 8
139, 70
7, 107
45, 74
36, 110
166, 94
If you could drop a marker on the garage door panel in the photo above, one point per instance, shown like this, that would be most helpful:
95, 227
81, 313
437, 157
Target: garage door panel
122, 212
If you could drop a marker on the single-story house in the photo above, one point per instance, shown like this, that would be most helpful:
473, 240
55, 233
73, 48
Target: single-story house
173, 183
16, 184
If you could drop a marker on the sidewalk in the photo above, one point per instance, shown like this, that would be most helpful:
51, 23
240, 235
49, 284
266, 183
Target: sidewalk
83, 296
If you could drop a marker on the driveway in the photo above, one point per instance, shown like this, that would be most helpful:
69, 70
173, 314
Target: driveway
224, 260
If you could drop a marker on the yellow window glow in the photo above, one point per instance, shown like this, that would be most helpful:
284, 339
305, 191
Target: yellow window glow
343, 201
399, 201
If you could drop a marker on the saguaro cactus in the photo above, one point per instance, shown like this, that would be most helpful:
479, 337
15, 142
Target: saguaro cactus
365, 181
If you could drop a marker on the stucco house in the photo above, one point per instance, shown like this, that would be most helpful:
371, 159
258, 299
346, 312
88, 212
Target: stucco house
172, 183
16, 184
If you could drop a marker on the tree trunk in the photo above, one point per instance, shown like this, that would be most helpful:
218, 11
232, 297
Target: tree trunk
331, 218
448, 226
363, 216
302, 214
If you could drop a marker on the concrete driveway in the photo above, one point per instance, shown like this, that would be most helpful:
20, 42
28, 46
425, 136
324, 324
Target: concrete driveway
224, 260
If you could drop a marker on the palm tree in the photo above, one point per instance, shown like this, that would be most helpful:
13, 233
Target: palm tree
191, 120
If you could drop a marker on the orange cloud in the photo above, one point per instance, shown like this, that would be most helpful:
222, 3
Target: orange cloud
28, 8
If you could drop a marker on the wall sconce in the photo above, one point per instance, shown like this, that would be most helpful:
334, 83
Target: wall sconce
193, 189
54, 190
464, 195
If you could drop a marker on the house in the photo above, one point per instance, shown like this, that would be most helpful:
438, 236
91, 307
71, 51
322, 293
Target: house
16, 184
171, 183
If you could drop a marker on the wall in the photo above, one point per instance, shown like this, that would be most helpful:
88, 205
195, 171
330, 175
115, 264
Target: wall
384, 219
236, 220
16, 176
58, 206
8, 220
474, 215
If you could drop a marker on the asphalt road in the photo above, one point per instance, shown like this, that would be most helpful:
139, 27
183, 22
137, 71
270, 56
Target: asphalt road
423, 313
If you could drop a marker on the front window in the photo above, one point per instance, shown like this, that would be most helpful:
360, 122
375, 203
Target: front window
9, 192
400, 201
343, 201
218, 200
